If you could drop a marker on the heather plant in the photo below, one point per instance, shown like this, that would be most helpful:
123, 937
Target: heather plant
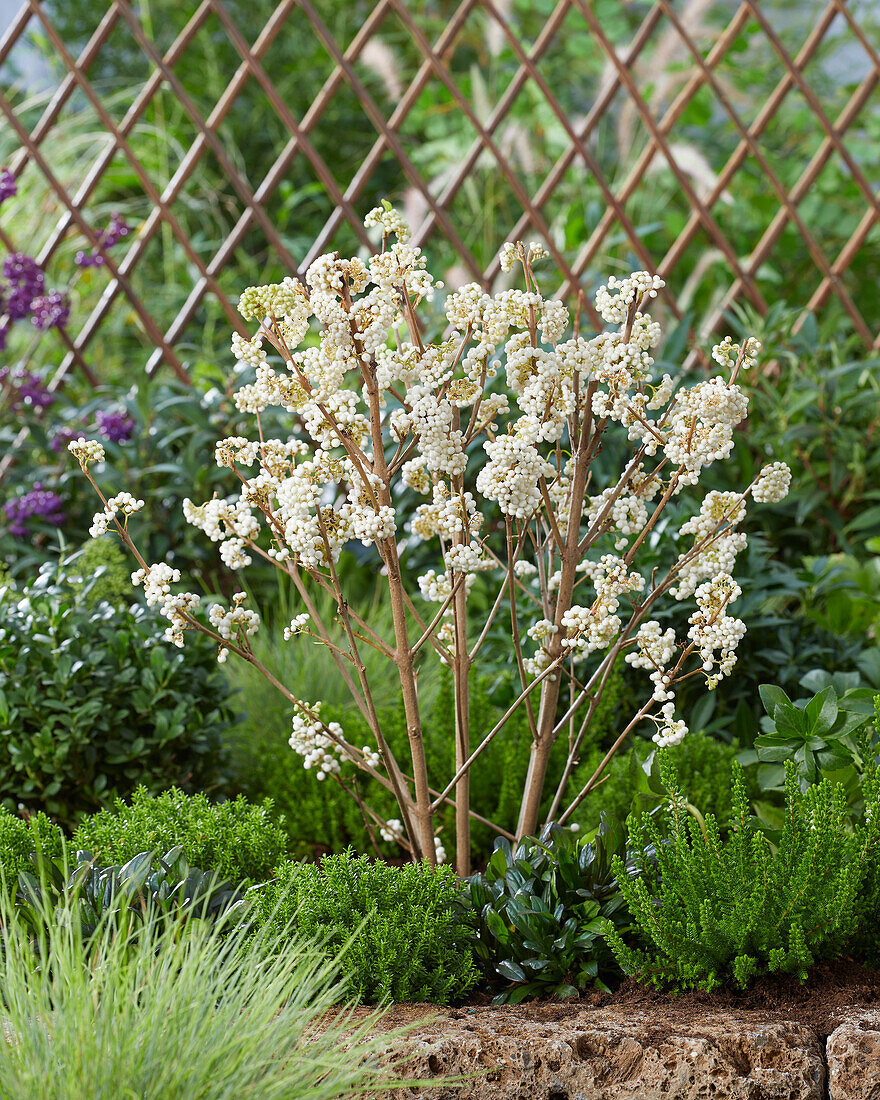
716, 910
396, 932
379, 416
633, 782
237, 839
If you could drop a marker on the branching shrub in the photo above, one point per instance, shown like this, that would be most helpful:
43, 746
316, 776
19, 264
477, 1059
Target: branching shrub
93, 702
380, 417
236, 839
396, 930
718, 911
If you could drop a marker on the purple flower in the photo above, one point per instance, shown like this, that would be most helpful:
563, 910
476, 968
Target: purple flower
8, 185
39, 503
107, 238
115, 426
26, 389
50, 310
31, 390
25, 280
62, 437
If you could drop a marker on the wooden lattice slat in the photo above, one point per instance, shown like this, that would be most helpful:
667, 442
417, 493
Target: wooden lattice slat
166, 328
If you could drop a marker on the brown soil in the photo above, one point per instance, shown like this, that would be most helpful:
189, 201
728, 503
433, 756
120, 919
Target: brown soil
833, 990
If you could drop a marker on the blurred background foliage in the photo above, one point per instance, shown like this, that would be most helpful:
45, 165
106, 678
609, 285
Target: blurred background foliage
436, 135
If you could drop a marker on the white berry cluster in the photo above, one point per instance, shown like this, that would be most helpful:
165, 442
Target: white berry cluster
156, 580
437, 587
715, 633
654, 651
591, 628
727, 353
319, 744
235, 624
670, 730
390, 222
624, 514
614, 300
772, 484
122, 502
701, 425
392, 831
86, 450
297, 625
512, 474
710, 553
177, 609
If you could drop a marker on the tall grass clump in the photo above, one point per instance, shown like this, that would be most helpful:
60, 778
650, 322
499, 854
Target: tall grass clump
197, 1016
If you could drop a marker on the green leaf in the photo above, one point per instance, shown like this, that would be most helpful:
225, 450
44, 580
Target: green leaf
511, 970
497, 926
772, 697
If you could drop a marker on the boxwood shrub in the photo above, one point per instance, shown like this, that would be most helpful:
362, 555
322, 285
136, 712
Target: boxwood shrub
236, 839
19, 838
93, 702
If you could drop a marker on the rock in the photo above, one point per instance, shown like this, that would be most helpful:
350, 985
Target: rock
608, 1054
853, 1055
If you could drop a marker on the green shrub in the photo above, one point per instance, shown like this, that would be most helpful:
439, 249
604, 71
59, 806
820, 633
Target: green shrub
409, 941
102, 571
20, 838
94, 702
238, 840
151, 1014
538, 913
633, 779
718, 911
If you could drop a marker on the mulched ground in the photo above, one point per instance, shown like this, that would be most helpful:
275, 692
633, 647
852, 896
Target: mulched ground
833, 989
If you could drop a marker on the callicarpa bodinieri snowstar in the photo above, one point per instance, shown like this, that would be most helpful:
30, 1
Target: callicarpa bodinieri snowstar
379, 417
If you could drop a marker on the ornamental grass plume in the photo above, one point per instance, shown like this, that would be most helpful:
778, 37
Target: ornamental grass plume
380, 415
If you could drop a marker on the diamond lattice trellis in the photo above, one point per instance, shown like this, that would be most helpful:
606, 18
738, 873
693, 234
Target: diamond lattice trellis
729, 147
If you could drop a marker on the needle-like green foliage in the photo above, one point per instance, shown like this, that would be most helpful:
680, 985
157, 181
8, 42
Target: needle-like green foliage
396, 932
725, 911
237, 839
